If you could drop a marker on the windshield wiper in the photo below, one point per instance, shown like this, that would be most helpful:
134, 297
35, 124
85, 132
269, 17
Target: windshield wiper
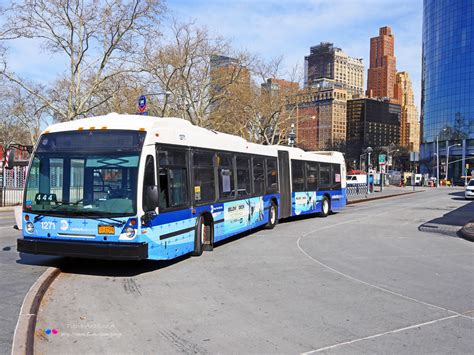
39, 217
118, 222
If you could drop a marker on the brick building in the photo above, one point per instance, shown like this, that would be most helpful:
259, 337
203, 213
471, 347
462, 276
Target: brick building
381, 78
320, 115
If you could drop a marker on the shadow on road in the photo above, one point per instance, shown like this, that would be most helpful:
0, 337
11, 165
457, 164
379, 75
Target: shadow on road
458, 196
98, 267
451, 222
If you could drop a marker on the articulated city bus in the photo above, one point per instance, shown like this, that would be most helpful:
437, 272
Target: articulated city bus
136, 187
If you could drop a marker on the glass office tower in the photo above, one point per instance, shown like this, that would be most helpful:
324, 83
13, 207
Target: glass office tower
447, 107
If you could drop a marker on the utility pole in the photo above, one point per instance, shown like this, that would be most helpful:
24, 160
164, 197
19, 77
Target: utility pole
368, 151
437, 161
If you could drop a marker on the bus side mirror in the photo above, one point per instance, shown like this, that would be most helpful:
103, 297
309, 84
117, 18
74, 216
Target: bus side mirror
9, 158
151, 198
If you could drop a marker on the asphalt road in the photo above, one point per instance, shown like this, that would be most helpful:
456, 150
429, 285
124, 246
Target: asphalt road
368, 279
16, 277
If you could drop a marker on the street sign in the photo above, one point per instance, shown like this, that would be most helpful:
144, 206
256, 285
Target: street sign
382, 158
142, 104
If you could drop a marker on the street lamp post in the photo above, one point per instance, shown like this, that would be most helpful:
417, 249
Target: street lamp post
368, 151
437, 161
166, 95
447, 158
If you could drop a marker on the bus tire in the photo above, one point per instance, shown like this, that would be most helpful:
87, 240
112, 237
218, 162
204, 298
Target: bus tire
272, 216
198, 236
203, 236
325, 207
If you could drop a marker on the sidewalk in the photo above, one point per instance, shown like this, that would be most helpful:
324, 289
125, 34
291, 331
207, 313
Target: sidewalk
388, 191
6, 208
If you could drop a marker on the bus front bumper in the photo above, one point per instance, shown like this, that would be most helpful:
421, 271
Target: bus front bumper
92, 250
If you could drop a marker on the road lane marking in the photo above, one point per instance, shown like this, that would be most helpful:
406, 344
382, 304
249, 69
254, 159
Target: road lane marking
311, 233
382, 334
378, 287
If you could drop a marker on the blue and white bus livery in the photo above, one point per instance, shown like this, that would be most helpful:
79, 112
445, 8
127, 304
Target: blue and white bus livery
133, 187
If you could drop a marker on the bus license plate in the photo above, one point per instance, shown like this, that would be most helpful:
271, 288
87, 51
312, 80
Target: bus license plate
106, 230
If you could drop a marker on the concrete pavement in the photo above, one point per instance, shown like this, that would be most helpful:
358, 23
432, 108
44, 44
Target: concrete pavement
16, 277
365, 280
388, 191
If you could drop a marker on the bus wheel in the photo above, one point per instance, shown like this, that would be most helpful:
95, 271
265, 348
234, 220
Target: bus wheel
202, 237
325, 207
272, 216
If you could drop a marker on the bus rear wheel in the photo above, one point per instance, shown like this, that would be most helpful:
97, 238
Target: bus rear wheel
202, 236
325, 207
272, 216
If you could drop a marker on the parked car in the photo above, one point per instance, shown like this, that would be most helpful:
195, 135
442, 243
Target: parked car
469, 190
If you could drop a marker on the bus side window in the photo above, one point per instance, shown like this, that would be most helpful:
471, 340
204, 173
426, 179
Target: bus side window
243, 176
172, 174
203, 175
272, 175
325, 176
225, 173
312, 175
297, 173
258, 176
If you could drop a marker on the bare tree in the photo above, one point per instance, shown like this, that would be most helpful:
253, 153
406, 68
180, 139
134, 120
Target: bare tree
260, 112
12, 129
181, 76
96, 38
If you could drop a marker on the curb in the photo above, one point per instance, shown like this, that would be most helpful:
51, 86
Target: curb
24, 336
467, 232
7, 209
451, 231
382, 197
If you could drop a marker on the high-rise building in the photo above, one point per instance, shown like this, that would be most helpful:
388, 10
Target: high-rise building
320, 115
381, 78
409, 124
447, 106
225, 70
328, 62
279, 86
373, 123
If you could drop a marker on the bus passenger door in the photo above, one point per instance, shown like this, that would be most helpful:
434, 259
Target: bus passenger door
284, 177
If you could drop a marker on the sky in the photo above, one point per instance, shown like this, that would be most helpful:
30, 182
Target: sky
274, 28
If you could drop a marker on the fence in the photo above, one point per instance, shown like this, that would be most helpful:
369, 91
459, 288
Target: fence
11, 185
356, 191
359, 191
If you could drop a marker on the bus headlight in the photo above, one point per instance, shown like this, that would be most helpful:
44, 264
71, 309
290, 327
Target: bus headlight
30, 228
129, 232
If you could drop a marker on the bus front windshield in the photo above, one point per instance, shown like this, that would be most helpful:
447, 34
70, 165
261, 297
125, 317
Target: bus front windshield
85, 174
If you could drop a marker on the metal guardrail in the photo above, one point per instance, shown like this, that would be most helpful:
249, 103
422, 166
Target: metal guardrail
11, 186
356, 191
11, 196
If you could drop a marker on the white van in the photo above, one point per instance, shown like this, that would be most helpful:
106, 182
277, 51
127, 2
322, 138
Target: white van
356, 179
